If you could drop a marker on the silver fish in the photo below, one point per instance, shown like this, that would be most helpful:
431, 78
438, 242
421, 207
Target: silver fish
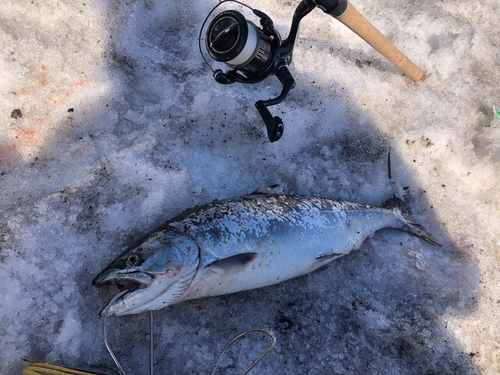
245, 243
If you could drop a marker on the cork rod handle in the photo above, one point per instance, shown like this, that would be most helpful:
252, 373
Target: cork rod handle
361, 26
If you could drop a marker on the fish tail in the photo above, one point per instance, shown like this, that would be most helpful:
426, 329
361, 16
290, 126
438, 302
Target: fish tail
408, 222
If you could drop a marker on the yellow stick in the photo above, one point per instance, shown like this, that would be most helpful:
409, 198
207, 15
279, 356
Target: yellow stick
361, 26
37, 368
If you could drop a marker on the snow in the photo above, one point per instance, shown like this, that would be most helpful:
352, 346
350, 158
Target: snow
123, 127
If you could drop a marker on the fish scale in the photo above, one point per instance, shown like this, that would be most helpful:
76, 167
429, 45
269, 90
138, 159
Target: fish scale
246, 243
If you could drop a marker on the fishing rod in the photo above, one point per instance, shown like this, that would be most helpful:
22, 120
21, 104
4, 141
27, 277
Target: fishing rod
254, 53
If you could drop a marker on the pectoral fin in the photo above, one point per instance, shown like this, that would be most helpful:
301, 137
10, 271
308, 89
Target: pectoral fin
232, 264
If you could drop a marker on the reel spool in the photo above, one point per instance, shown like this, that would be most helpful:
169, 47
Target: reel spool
237, 42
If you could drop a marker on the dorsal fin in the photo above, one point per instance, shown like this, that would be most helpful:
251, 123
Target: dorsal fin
269, 190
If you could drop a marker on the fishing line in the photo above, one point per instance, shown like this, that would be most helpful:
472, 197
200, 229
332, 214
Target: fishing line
151, 347
38, 368
104, 336
254, 363
151, 328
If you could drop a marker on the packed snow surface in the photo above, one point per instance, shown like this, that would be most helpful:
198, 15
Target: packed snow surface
112, 124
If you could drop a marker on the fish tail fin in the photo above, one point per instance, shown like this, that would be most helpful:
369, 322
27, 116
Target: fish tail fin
409, 224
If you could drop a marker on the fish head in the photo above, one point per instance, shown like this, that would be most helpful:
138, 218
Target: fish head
155, 273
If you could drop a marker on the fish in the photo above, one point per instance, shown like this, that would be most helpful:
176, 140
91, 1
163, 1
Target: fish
245, 243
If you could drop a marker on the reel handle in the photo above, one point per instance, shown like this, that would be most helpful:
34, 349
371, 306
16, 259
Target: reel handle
274, 124
370, 34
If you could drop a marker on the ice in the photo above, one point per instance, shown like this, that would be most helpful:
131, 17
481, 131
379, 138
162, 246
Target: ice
123, 127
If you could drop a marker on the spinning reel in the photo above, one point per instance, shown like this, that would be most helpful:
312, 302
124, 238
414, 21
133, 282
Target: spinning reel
253, 53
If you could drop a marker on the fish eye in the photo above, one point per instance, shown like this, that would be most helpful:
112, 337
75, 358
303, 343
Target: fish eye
132, 260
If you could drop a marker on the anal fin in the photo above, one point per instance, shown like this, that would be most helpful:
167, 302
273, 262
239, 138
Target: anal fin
320, 269
327, 257
367, 243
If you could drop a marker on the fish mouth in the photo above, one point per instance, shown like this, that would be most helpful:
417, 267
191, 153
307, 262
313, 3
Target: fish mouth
129, 281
